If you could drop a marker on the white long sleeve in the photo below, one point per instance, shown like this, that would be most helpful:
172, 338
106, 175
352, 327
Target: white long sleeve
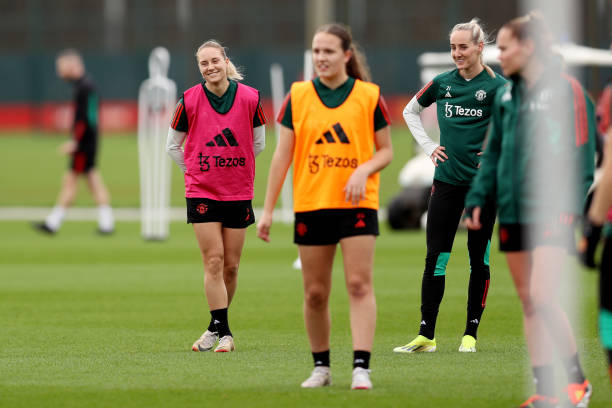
259, 139
174, 147
412, 116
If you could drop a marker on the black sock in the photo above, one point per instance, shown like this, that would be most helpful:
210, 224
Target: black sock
219, 318
432, 291
543, 378
361, 358
573, 369
321, 359
477, 299
211, 326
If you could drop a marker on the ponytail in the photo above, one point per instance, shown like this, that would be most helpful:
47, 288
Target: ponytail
488, 69
357, 66
232, 72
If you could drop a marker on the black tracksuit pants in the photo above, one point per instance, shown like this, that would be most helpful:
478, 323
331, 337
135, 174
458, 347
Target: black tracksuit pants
444, 213
605, 299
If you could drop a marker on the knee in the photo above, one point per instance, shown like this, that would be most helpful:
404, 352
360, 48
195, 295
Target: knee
358, 288
543, 302
316, 298
230, 272
480, 272
478, 263
213, 265
430, 261
435, 264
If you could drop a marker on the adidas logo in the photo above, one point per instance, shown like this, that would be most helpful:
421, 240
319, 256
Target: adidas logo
423, 323
448, 95
221, 141
328, 137
216, 322
474, 321
359, 361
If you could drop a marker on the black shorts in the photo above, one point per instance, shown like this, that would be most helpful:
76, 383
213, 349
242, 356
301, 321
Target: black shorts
327, 227
522, 237
231, 214
82, 162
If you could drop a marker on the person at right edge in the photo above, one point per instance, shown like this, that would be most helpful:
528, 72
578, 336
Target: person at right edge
591, 233
600, 215
464, 97
542, 126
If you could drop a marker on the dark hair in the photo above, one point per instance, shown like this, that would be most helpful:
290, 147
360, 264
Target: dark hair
533, 27
357, 66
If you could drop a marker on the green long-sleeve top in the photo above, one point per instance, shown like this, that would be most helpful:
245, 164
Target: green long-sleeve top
539, 160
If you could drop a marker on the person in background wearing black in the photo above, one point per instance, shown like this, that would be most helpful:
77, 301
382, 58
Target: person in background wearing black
82, 148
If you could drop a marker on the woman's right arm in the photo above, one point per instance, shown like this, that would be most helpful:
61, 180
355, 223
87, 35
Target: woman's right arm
174, 147
281, 160
412, 116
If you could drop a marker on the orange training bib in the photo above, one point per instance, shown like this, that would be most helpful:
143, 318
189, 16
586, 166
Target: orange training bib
329, 145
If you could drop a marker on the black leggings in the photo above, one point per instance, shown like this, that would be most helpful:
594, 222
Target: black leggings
444, 213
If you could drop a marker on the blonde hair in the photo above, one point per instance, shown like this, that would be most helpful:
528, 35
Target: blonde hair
232, 72
356, 67
477, 36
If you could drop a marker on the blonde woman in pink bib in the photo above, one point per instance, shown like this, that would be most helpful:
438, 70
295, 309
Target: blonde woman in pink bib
216, 132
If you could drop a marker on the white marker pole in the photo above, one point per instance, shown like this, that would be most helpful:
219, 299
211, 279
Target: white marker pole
278, 95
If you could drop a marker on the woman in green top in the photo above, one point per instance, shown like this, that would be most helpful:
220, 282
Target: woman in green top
538, 166
464, 97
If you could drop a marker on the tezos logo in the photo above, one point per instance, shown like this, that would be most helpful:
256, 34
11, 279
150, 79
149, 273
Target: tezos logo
451, 110
480, 95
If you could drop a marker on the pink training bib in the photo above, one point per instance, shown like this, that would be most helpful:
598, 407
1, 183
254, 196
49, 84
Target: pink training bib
219, 147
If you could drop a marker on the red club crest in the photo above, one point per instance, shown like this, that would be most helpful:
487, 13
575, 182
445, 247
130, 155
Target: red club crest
202, 208
503, 235
301, 229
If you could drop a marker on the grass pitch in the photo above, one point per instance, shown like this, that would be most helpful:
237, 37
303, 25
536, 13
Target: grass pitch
31, 170
109, 322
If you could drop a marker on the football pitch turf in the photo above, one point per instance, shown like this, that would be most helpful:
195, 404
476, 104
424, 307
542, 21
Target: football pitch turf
31, 170
108, 321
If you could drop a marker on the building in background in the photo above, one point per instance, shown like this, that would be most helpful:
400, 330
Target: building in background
115, 37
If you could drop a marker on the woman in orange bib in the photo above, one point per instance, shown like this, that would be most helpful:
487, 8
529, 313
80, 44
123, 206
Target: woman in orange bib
336, 132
